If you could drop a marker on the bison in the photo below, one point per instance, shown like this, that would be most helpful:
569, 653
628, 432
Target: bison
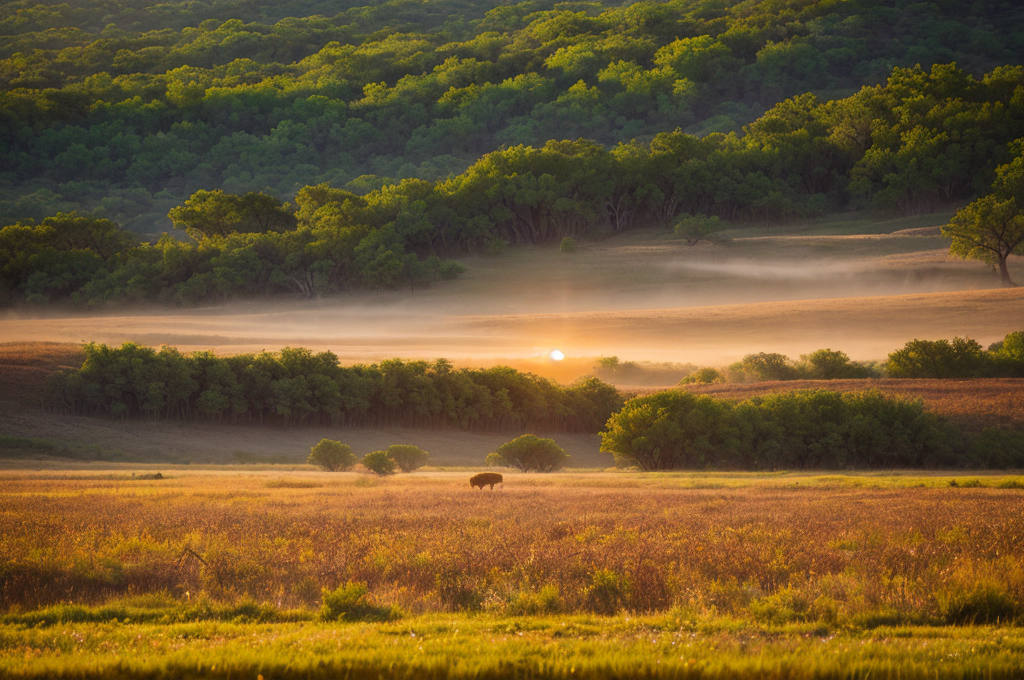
485, 479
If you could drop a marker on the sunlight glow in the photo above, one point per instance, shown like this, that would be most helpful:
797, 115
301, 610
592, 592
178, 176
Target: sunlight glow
556, 355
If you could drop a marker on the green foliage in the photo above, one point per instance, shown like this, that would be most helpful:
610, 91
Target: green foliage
214, 213
801, 429
924, 137
407, 456
299, 387
495, 459
380, 462
702, 376
828, 364
997, 448
608, 592
352, 602
978, 603
568, 245
531, 453
544, 601
696, 228
764, 366
961, 358
332, 455
990, 230
672, 429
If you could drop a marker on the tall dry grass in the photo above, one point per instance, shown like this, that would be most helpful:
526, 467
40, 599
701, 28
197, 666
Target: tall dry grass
586, 543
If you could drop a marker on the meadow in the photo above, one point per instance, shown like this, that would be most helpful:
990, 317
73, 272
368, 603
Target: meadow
209, 574
858, 282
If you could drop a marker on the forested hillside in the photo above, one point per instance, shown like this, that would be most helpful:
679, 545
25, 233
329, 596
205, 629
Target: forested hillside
128, 108
921, 139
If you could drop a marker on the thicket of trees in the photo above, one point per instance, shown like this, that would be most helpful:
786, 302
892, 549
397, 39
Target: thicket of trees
128, 106
299, 387
812, 429
923, 138
941, 359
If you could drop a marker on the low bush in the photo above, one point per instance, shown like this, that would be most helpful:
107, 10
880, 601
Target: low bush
332, 455
407, 456
352, 602
532, 453
379, 462
980, 602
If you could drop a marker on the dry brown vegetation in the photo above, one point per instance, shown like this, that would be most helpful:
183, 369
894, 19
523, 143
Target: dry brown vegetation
779, 548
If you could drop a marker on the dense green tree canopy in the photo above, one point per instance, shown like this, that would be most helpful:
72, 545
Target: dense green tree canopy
127, 107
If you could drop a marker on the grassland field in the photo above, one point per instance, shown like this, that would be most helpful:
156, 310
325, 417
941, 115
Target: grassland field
219, 574
218, 568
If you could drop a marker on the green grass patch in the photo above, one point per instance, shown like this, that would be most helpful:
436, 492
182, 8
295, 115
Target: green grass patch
483, 646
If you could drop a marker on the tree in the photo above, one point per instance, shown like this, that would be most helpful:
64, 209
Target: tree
669, 430
407, 456
495, 460
696, 228
215, 213
530, 452
764, 366
379, 462
961, 358
827, 364
332, 455
989, 229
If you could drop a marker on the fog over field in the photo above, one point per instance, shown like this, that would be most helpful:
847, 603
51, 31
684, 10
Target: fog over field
642, 297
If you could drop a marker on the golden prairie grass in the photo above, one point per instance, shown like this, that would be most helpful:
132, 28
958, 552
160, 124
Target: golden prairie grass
776, 549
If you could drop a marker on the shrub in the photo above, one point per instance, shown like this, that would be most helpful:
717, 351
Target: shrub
827, 364
568, 245
332, 455
671, 429
825, 429
702, 376
495, 460
799, 429
764, 366
607, 592
544, 601
961, 358
529, 452
453, 591
351, 602
997, 448
407, 456
980, 602
449, 270
696, 228
379, 462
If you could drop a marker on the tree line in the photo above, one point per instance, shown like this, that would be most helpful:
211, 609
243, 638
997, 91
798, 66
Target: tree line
808, 429
300, 387
923, 138
130, 117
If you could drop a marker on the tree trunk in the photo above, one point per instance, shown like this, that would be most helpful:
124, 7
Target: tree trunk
1004, 272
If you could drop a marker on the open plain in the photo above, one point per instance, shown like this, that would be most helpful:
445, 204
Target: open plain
219, 574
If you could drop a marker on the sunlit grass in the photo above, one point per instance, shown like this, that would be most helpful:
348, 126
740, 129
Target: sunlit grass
468, 646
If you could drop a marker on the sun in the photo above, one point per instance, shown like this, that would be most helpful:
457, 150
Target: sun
556, 355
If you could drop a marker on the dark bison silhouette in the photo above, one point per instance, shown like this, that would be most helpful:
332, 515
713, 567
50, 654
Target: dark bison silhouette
485, 479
